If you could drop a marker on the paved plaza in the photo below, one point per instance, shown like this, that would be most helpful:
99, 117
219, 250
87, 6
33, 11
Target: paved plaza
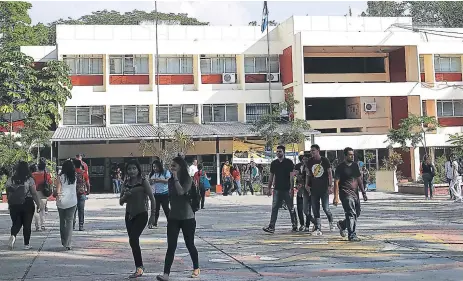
404, 238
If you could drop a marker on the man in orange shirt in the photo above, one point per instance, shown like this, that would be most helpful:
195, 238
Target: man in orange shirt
39, 178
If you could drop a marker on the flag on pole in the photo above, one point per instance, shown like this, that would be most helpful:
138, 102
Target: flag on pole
264, 25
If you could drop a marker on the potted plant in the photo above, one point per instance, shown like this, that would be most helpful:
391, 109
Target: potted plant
386, 176
3, 179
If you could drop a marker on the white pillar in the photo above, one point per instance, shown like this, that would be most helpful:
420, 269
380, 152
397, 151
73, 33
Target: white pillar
416, 154
197, 71
240, 72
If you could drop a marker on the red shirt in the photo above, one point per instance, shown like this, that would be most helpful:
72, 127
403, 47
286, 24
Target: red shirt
236, 175
85, 167
86, 178
39, 178
197, 175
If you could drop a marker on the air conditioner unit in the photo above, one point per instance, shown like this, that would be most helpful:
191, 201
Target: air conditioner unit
274, 77
370, 107
228, 78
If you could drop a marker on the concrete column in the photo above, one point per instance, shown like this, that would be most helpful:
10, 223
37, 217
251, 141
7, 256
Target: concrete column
197, 71
217, 160
242, 112
152, 114
199, 115
151, 71
107, 116
240, 73
429, 73
415, 162
106, 72
298, 76
412, 64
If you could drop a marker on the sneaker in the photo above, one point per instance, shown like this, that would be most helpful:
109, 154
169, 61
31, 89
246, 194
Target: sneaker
68, 248
37, 228
301, 228
313, 228
138, 272
332, 227
269, 229
11, 242
81, 228
341, 231
307, 229
294, 229
195, 273
27, 247
43, 228
318, 233
164, 277
354, 239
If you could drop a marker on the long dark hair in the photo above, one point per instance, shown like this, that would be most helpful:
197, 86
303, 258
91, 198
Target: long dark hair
21, 173
160, 168
69, 171
135, 163
183, 174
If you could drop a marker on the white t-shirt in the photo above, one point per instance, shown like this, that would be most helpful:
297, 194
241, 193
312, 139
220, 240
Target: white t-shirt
68, 196
455, 170
193, 170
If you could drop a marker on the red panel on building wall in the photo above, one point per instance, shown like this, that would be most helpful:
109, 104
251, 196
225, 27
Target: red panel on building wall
422, 77
129, 79
286, 66
17, 125
397, 69
255, 78
87, 80
450, 121
175, 79
406, 166
211, 79
448, 76
399, 109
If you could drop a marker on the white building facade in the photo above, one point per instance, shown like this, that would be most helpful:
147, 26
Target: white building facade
354, 78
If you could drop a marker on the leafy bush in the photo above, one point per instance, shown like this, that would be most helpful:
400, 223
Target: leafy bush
3, 180
440, 170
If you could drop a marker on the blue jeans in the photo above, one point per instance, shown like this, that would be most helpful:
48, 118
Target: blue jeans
80, 210
116, 186
427, 179
351, 208
325, 198
238, 186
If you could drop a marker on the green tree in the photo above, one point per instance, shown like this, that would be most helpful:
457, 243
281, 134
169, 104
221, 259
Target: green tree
412, 131
384, 9
37, 94
16, 28
252, 23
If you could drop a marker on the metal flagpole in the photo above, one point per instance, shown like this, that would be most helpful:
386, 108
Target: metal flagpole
268, 59
157, 76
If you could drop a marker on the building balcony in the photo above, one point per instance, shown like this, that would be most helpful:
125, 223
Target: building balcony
351, 126
315, 90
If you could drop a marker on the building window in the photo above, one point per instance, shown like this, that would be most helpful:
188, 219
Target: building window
177, 113
84, 115
130, 114
218, 65
254, 111
175, 65
447, 64
258, 64
129, 64
421, 64
450, 108
84, 65
220, 113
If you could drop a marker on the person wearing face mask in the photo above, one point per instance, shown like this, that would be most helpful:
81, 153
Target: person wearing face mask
135, 193
348, 181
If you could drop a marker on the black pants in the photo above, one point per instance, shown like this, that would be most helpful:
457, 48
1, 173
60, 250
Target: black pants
161, 200
280, 196
21, 216
135, 226
248, 183
351, 208
188, 228
300, 209
203, 197
227, 186
325, 198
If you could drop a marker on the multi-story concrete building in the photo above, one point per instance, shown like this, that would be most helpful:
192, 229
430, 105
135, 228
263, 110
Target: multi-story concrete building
355, 78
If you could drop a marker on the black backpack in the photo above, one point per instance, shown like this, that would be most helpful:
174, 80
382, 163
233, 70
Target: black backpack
195, 197
45, 187
17, 193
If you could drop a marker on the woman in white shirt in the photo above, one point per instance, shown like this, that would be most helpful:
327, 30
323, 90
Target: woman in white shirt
66, 201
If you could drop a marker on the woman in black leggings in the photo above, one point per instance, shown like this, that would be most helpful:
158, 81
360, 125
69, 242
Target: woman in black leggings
135, 193
181, 217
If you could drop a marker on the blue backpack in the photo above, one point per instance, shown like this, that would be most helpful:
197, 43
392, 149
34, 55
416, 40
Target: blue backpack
204, 181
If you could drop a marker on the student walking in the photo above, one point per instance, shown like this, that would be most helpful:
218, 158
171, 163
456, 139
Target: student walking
66, 201
427, 173
82, 190
455, 184
158, 179
449, 175
236, 175
346, 187
303, 198
281, 171
203, 182
21, 193
320, 179
136, 191
41, 177
181, 217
